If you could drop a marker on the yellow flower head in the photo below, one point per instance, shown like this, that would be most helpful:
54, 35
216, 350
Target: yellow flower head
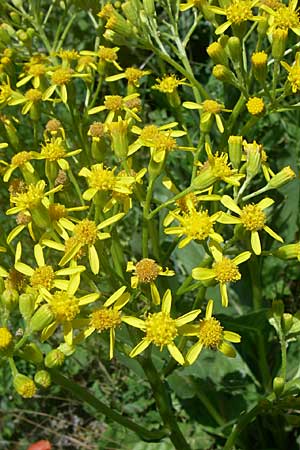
168, 84
294, 73
237, 12
211, 335
132, 75
255, 106
5, 338
284, 17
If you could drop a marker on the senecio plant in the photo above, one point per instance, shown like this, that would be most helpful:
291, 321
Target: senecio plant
101, 199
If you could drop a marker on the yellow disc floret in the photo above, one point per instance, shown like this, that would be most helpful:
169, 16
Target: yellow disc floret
285, 17
226, 270
85, 232
57, 211
198, 225
24, 386
187, 202
255, 106
104, 319
113, 102
42, 276
5, 338
65, 307
167, 84
253, 218
36, 70
210, 333
30, 199
19, 159
146, 270
239, 11
62, 76
101, 178
160, 329
108, 54
294, 78
53, 150
259, 59
133, 74
211, 106
33, 95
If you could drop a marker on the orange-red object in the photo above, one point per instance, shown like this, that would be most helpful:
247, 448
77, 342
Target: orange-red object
40, 445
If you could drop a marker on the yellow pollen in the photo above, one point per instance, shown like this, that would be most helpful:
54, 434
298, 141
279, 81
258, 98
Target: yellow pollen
134, 104
219, 166
27, 389
33, 95
160, 329
253, 218
226, 270
15, 280
108, 54
101, 178
37, 70
285, 17
23, 219
255, 106
97, 129
274, 4
212, 106
53, 125
42, 277
259, 59
68, 54
62, 76
5, 60
167, 84
198, 225
85, 60
64, 307
187, 203
147, 270
20, 159
163, 142
86, 232
104, 318
53, 150
30, 199
133, 74
210, 333
149, 132
239, 11
57, 211
5, 338
113, 102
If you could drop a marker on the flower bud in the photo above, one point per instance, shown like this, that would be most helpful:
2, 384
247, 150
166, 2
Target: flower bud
222, 73
277, 308
204, 179
278, 386
149, 7
24, 386
26, 305
259, 65
43, 378
235, 150
217, 53
9, 298
131, 12
284, 176
41, 318
255, 106
6, 338
55, 358
118, 133
279, 39
235, 49
253, 152
289, 251
287, 322
32, 353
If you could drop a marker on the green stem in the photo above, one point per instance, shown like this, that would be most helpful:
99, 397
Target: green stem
204, 399
66, 31
145, 229
76, 186
83, 395
164, 405
169, 202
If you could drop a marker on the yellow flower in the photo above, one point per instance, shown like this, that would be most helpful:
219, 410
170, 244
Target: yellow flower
29, 100
210, 334
85, 234
6, 338
237, 12
44, 276
65, 307
284, 17
224, 270
34, 71
60, 219
210, 108
168, 84
251, 217
109, 317
115, 104
146, 271
20, 160
255, 106
294, 73
161, 140
105, 55
55, 150
191, 4
160, 329
60, 78
132, 75
5, 91
101, 179
195, 225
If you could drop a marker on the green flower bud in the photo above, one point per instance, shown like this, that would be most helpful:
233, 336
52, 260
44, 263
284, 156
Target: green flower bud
149, 7
222, 73
235, 49
284, 176
55, 358
204, 179
43, 378
217, 53
287, 322
26, 305
41, 318
279, 40
9, 298
22, 35
277, 308
24, 386
289, 251
32, 353
235, 150
278, 385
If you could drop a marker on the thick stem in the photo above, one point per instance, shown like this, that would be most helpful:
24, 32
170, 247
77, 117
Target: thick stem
84, 395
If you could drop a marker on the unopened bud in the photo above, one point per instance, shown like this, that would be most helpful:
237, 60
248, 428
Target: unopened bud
284, 176
24, 386
277, 308
279, 40
118, 133
149, 7
55, 358
217, 53
235, 150
222, 73
287, 322
6, 338
259, 64
26, 305
32, 353
9, 298
255, 106
204, 179
289, 251
278, 386
235, 49
43, 378
253, 152
41, 318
